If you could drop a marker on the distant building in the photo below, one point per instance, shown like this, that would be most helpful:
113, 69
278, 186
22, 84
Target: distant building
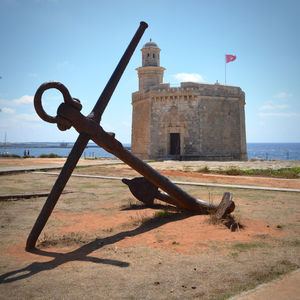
195, 121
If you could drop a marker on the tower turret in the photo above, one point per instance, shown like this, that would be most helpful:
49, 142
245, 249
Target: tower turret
151, 73
150, 54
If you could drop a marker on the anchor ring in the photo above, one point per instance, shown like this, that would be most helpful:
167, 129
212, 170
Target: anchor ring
66, 95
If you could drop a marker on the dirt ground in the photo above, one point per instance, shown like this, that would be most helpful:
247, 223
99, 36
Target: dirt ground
165, 165
100, 244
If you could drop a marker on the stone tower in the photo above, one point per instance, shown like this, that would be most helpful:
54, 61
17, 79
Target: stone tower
195, 121
151, 73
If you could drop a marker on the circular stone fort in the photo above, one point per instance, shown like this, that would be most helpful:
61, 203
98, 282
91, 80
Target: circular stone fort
196, 121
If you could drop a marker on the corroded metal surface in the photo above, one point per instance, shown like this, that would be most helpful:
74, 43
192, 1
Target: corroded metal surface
79, 146
142, 189
68, 114
146, 192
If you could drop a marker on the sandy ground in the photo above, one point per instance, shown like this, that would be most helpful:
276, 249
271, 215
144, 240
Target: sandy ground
100, 244
165, 165
6, 162
221, 165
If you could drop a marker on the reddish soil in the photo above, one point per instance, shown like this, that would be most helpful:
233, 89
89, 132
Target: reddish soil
96, 236
189, 231
193, 232
238, 180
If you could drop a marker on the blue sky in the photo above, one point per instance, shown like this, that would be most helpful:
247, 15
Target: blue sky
79, 43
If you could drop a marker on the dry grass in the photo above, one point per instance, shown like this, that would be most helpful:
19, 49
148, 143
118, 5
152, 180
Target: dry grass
232, 222
66, 240
213, 269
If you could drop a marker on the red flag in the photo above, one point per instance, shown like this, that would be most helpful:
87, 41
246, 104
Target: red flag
230, 58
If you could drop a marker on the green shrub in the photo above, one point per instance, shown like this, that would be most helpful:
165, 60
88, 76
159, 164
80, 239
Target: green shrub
289, 173
51, 155
204, 170
10, 155
163, 214
232, 171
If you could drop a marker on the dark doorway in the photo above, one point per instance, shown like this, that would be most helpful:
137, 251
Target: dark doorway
174, 143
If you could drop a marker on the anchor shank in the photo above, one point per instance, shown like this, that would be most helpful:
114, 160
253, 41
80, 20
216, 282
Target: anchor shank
182, 198
85, 125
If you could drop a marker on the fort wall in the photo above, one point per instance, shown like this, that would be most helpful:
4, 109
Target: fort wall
195, 121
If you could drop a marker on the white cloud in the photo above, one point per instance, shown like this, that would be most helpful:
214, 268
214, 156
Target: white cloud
279, 114
26, 99
270, 107
283, 95
7, 110
184, 77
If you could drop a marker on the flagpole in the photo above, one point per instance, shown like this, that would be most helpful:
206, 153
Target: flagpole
225, 69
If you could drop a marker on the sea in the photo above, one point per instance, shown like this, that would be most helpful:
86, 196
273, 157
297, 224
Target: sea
266, 151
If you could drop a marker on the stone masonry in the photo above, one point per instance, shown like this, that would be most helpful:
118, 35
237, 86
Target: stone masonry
195, 121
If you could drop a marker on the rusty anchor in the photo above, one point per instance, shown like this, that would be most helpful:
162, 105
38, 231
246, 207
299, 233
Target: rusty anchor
68, 114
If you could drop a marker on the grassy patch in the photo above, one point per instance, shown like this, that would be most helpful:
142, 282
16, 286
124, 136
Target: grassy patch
204, 170
132, 204
231, 171
289, 173
243, 247
144, 218
139, 219
7, 155
163, 214
69, 239
272, 272
20, 181
51, 155
258, 277
231, 221
291, 243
